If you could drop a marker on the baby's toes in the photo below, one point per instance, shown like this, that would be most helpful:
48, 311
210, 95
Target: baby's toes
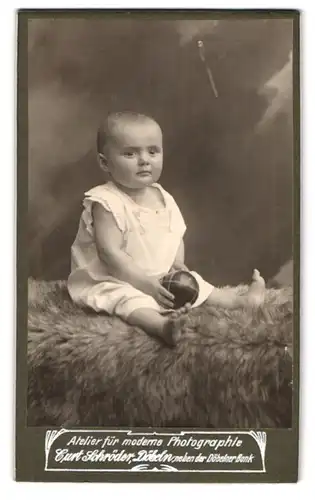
187, 307
256, 275
183, 310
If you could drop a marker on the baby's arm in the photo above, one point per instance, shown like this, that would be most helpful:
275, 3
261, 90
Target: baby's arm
179, 262
109, 244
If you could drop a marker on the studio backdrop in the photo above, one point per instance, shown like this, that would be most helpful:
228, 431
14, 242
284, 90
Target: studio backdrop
227, 141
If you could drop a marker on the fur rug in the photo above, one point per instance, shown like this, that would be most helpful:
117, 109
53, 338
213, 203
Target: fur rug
228, 371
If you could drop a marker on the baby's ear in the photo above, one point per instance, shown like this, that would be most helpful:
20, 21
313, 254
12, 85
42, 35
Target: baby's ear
103, 162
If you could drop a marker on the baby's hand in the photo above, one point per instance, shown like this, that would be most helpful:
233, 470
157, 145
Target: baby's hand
163, 297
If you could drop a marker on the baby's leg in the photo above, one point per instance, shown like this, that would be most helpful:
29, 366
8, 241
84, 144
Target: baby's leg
231, 300
167, 328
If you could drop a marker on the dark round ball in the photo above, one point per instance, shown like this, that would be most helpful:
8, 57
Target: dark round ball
183, 286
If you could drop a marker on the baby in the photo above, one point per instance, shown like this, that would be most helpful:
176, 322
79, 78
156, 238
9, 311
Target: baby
131, 234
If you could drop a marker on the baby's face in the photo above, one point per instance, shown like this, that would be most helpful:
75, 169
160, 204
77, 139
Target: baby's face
134, 154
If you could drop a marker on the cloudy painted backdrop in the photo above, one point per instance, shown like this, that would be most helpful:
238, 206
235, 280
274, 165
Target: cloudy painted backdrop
228, 144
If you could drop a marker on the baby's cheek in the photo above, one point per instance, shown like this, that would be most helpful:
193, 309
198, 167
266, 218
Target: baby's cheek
157, 169
157, 163
127, 167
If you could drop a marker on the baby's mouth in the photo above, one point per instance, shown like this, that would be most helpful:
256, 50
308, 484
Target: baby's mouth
144, 173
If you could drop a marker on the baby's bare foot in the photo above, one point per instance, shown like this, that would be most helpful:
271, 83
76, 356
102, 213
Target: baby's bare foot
173, 325
257, 289
184, 309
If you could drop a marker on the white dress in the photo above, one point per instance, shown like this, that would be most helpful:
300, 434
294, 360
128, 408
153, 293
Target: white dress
151, 239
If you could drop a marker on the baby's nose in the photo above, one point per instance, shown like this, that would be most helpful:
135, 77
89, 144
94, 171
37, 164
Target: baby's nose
143, 159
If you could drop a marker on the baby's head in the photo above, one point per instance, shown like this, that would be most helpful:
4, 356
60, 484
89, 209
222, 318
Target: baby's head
130, 149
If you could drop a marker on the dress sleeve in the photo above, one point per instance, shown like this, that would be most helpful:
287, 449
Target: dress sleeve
109, 201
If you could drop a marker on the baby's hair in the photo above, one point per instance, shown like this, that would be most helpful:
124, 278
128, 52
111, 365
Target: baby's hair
105, 131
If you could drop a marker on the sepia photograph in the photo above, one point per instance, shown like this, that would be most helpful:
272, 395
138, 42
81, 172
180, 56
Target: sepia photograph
162, 188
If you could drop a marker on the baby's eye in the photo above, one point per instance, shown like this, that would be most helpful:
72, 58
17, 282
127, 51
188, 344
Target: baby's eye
129, 154
153, 151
